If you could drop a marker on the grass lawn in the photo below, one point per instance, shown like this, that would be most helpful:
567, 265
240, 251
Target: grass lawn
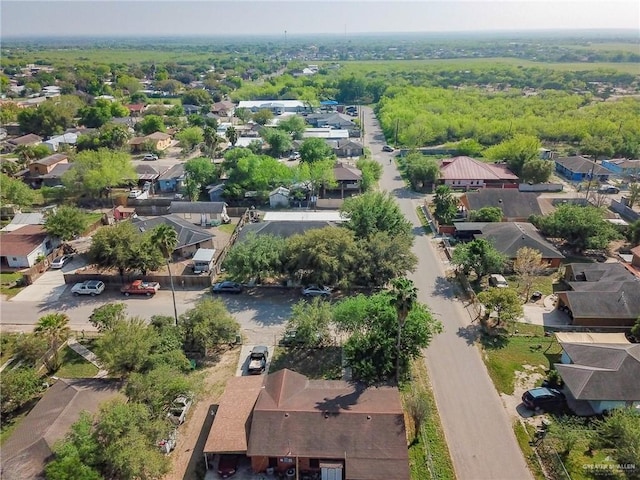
315, 363
428, 454
542, 283
11, 421
8, 344
74, 366
227, 227
505, 356
6, 280
523, 435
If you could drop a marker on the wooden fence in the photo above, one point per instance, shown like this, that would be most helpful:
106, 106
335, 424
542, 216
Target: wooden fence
114, 282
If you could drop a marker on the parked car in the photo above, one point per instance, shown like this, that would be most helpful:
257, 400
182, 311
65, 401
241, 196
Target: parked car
608, 189
138, 287
496, 280
179, 408
227, 287
150, 157
544, 398
316, 291
388, 148
89, 287
258, 360
295, 156
228, 465
61, 261
135, 193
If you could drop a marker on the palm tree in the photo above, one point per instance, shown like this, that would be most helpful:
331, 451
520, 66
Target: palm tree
232, 135
54, 327
165, 238
403, 297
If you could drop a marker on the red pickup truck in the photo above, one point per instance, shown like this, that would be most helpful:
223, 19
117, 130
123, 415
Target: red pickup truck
139, 287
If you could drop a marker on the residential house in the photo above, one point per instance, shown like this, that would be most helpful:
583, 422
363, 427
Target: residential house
146, 173
599, 377
23, 219
54, 143
468, 173
203, 260
122, 213
346, 148
201, 213
578, 169
279, 197
31, 445
277, 107
224, 108
600, 295
54, 177
623, 167
348, 178
190, 237
509, 237
191, 109
135, 109
157, 141
22, 247
215, 192
286, 224
516, 206
334, 120
46, 164
173, 180
327, 133
285, 422
29, 140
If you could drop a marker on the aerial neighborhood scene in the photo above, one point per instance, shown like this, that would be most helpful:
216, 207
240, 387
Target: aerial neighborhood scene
374, 240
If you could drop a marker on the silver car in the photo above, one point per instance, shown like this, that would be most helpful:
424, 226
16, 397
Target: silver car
61, 261
316, 291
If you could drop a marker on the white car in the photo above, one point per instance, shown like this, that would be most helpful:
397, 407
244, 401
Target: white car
498, 281
388, 148
150, 157
178, 409
61, 261
90, 287
135, 193
316, 291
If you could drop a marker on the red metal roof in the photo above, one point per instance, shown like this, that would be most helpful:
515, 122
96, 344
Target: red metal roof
467, 168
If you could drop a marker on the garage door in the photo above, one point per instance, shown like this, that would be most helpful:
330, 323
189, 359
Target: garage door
331, 471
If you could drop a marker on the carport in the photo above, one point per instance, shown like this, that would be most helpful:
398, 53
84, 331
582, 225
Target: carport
230, 428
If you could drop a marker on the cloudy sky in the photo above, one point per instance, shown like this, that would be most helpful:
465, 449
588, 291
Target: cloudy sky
27, 18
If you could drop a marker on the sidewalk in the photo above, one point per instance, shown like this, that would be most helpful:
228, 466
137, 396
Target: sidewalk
88, 355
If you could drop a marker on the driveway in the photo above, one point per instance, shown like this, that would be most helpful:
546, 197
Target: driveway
477, 427
50, 285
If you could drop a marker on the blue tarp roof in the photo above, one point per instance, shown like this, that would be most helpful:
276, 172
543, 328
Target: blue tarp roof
328, 102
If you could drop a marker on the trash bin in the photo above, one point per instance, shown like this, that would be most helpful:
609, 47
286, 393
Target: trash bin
238, 339
291, 474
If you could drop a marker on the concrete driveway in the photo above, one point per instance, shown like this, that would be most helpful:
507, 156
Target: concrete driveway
243, 361
50, 285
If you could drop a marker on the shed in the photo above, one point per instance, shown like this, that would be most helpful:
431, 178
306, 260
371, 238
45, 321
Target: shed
279, 197
203, 259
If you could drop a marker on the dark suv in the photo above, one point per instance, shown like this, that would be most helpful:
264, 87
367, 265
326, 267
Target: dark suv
544, 398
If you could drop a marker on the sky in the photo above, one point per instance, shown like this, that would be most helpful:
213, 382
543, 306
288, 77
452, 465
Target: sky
31, 18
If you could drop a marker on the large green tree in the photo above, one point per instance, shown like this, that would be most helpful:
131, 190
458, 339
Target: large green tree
581, 227
279, 141
371, 173
404, 296
315, 149
17, 387
486, 214
208, 325
516, 151
504, 301
66, 223
95, 172
15, 192
293, 125
190, 138
201, 170
421, 170
445, 205
111, 247
151, 124
381, 257
50, 118
158, 387
311, 322
478, 256
256, 257
374, 212
537, 171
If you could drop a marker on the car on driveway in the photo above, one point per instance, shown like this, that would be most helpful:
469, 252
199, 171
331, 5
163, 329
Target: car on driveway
316, 291
179, 408
227, 287
609, 189
89, 287
388, 148
228, 465
498, 281
544, 398
61, 261
135, 193
258, 360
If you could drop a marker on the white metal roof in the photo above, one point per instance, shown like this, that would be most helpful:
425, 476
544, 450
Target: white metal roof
270, 103
204, 255
305, 216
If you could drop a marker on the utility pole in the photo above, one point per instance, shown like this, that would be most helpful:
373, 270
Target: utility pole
397, 127
590, 180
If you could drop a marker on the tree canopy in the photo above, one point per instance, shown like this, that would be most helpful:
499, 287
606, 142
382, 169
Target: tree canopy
66, 223
95, 172
478, 256
374, 212
314, 150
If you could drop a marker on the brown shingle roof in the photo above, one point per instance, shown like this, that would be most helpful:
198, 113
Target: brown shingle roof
229, 430
26, 451
26, 139
158, 136
22, 241
467, 168
342, 172
333, 419
52, 159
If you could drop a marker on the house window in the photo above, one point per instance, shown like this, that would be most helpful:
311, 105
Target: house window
314, 463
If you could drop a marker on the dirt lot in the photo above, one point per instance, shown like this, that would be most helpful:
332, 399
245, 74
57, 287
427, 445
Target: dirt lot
192, 435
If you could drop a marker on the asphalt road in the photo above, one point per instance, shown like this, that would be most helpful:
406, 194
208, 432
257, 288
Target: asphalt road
476, 425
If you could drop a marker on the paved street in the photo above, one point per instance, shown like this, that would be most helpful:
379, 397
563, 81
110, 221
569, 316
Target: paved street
476, 424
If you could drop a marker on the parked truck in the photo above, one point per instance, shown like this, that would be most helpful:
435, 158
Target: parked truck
258, 360
139, 287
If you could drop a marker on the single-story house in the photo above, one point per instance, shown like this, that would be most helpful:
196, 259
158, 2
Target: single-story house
54, 143
46, 164
135, 109
337, 429
346, 148
54, 177
203, 259
333, 120
173, 180
190, 237
466, 172
516, 206
579, 168
122, 213
157, 140
279, 197
603, 376
201, 213
348, 180
146, 173
509, 237
21, 248
623, 167
29, 139
600, 295
327, 133
23, 219
215, 192
191, 109
30, 446
277, 107
223, 108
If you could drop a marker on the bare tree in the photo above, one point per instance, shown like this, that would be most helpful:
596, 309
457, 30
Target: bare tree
528, 265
